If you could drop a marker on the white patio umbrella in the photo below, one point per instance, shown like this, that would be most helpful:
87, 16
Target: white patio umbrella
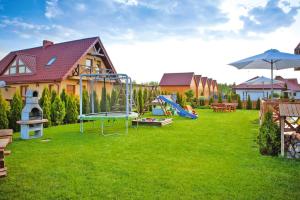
271, 59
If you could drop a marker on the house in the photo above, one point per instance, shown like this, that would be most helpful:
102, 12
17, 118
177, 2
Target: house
199, 90
56, 66
214, 88
205, 87
260, 87
178, 82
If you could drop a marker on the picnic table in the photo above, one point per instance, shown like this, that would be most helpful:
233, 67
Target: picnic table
224, 107
289, 115
6, 133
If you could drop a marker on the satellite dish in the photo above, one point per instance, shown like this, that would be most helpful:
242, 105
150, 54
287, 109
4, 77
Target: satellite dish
2, 84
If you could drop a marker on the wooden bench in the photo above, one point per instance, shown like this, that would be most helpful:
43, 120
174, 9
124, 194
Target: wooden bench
223, 107
3, 143
6, 133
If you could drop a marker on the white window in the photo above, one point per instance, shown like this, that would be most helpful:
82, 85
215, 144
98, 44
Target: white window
13, 70
88, 62
23, 68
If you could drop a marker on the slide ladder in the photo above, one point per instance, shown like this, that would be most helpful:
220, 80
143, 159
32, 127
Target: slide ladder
181, 112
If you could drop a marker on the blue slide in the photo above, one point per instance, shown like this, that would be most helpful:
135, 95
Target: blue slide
181, 112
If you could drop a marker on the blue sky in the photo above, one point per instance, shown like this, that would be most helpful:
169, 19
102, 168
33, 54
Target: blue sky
146, 38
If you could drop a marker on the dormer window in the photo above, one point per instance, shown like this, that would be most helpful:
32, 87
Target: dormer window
16, 67
51, 61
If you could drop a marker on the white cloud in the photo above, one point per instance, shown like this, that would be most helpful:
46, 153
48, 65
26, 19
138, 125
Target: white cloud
128, 2
52, 9
81, 7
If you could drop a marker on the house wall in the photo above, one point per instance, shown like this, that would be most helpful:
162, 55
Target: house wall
255, 94
206, 92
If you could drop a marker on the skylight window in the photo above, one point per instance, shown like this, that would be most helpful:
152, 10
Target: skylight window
51, 61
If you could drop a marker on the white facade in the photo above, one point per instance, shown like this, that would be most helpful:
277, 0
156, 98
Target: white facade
255, 94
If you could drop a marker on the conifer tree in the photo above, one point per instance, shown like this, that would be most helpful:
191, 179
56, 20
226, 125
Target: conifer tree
249, 103
16, 110
46, 106
71, 109
58, 111
3, 113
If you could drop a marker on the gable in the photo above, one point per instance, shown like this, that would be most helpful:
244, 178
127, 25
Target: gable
20, 65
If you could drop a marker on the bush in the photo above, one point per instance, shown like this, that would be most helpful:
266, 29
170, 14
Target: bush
201, 100
16, 110
46, 99
57, 111
53, 95
239, 102
85, 102
189, 95
3, 113
194, 103
103, 101
249, 103
71, 109
140, 102
210, 101
113, 99
180, 99
257, 104
145, 98
63, 97
269, 136
229, 98
220, 98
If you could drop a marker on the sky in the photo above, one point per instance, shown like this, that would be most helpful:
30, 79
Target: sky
146, 38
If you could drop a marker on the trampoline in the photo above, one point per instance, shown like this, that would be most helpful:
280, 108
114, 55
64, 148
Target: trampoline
115, 104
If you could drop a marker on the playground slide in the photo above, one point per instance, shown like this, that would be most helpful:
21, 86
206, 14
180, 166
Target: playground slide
181, 112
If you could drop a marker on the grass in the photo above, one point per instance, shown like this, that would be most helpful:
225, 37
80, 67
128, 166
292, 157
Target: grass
213, 157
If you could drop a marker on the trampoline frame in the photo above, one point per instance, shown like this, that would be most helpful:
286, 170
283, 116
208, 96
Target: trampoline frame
103, 116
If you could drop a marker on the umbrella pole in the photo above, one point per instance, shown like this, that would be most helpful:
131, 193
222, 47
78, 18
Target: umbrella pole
272, 80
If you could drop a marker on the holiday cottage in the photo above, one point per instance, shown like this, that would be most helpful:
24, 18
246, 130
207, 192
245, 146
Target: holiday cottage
56, 66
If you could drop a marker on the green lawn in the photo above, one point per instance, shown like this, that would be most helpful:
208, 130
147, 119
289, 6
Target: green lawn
213, 157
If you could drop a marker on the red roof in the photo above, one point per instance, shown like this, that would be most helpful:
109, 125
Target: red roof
291, 83
209, 82
174, 79
197, 79
214, 83
204, 80
67, 56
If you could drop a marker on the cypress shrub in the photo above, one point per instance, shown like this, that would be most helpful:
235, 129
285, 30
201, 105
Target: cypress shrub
113, 99
58, 111
16, 110
140, 101
53, 95
202, 100
249, 103
189, 95
63, 96
3, 113
145, 99
257, 104
220, 98
85, 102
103, 101
211, 100
269, 136
240, 105
229, 98
46, 98
71, 109
108, 102
96, 102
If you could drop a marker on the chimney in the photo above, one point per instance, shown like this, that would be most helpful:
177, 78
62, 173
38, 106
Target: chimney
47, 43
